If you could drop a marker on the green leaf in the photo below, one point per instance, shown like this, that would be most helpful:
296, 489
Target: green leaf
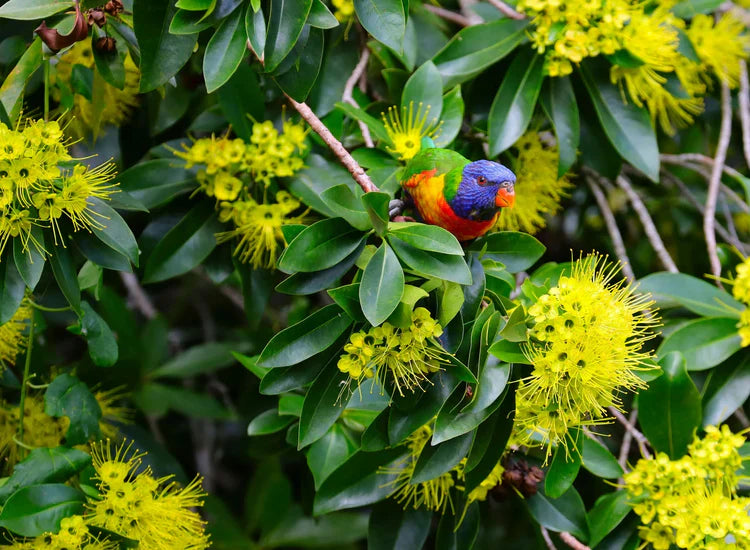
305, 60
29, 262
30, 10
38, 509
517, 251
432, 264
376, 205
566, 462
627, 126
510, 352
425, 86
673, 289
565, 513
356, 482
435, 460
268, 422
285, 22
68, 396
321, 17
301, 284
196, 5
11, 92
329, 452
185, 246
255, 27
392, 527
409, 413
452, 116
385, 20
732, 392
306, 338
116, 234
162, 53
477, 47
156, 182
66, 277
321, 407
599, 461
451, 299
239, 97
320, 246
704, 343
12, 289
382, 285
515, 100
224, 51
296, 530
110, 65
430, 238
158, 399
559, 102
450, 536
286, 379
99, 253
347, 204
689, 8
669, 411
200, 359
256, 291
44, 465
607, 513
102, 344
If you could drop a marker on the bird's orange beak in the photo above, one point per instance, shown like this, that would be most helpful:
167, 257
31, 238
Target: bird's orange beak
505, 198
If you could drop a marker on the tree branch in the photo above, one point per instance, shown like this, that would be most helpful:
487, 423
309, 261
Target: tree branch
627, 439
547, 539
648, 224
573, 542
639, 437
506, 9
725, 133
362, 179
744, 101
347, 97
138, 295
448, 15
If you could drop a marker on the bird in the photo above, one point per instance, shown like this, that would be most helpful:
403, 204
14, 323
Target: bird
452, 192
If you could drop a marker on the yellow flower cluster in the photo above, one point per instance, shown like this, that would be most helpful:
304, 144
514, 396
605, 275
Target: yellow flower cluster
540, 188
269, 155
406, 356
114, 106
406, 129
720, 45
42, 430
434, 494
344, 9
36, 191
156, 512
73, 535
741, 291
585, 346
692, 502
12, 340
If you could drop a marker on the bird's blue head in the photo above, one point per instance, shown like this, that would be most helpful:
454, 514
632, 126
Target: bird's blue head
485, 187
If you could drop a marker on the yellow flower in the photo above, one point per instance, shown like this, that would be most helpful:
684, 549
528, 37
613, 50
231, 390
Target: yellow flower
407, 128
73, 535
540, 188
741, 282
157, 513
494, 479
12, 339
344, 9
113, 107
721, 45
585, 347
744, 328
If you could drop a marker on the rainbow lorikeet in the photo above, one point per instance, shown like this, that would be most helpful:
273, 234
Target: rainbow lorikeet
461, 196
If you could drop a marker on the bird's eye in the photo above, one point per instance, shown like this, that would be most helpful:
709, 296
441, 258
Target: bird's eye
481, 180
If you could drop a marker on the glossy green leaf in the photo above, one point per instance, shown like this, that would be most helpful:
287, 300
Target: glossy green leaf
517, 251
320, 246
30, 10
430, 238
162, 53
102, 344
224, 51
452, 421
425, 86
12, 289
329, 452
115, 232
99, 253
477, 47
435, 460
285, 21
385, 20
627, 126
382, 285
68, 396
155, 182
255, 27
195, 5
607, 513
450, 536
321, 407
34, 510
347, 203
452, 117
239, 97
732, 392
669, 411
679, 289
321, 17
392, 527
559, 102
515, 100
688, 8
565, 513
305, 58
347, 297
409, 413
510, 352
110, 65
185, 246
704, 343
268, 422
599, 461
296, 530
12, 89
30, 262
66, 277
306, 338
432, 264
256, 291
376, 205
308, 283
200, 359
563, 470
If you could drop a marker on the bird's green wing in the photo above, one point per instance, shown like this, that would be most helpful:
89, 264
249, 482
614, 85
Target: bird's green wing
444, 160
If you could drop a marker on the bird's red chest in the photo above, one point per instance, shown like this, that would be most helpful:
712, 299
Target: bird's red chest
427, 191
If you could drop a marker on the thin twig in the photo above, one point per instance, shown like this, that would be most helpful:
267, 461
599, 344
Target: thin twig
362, 179
138, 295
468, 12
547, 538
348, 97
740, 415
573, 542
648, 224
744, 100
639, 437
614, 231
627, 440
725, 133
448, 15
506, 9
